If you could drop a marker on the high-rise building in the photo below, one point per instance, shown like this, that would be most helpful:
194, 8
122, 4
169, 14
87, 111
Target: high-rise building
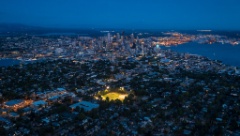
134, 45
132, 38
122, 37
142, 49
109, 38
104, 45
118, 37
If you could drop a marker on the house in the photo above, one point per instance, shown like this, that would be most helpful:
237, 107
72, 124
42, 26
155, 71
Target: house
27, 111
45, 120
100, 82
219, 119
4, 120
39, 104
61, 90
3, 111
13, 115
87, 106
80, 91
165, 60
186, 132
48, 93
54, 99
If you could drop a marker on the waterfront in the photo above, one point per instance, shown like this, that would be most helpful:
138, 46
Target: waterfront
226, 53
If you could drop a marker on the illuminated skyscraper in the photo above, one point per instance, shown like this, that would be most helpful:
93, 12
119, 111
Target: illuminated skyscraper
118, 37
104, 45
122, 41
132, 38
142, 49
122, 37
109, 38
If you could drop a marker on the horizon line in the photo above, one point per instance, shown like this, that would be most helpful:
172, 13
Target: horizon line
119, 28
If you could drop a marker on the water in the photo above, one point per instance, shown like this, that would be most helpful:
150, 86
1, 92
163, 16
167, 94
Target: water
9, 62
228, 54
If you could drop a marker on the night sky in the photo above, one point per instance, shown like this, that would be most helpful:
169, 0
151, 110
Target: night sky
132, 14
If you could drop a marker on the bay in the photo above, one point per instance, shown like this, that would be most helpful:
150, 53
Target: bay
227, 53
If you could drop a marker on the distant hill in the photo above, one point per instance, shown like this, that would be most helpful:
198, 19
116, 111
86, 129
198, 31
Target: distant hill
20, 29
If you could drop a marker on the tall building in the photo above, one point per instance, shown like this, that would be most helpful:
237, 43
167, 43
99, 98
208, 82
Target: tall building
122, 37
134, 48
142, 49
109, 38
104, 45
118, 37
122, 41
132, 38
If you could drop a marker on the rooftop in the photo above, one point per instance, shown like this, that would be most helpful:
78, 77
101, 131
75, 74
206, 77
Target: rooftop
40, 102
14, 102
61, 89
87, 106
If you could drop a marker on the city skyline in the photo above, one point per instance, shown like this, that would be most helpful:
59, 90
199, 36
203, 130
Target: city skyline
173, 14
119, 84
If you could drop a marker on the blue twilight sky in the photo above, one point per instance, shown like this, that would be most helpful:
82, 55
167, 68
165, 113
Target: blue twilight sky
134, 14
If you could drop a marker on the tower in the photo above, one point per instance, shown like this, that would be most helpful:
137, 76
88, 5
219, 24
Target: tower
109, 38
122, 41
122, 38
134, 48
118, 37
104, 45
132, 38
142, 49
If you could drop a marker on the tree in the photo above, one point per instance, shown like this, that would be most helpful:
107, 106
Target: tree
233, 125
81, 116
118, 102
107, 99
2, 131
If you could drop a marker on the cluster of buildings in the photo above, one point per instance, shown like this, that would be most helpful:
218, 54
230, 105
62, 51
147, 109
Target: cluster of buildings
37, 101
31, 48
170, 93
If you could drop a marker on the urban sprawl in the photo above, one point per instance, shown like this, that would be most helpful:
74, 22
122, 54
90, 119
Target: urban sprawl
116, 84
